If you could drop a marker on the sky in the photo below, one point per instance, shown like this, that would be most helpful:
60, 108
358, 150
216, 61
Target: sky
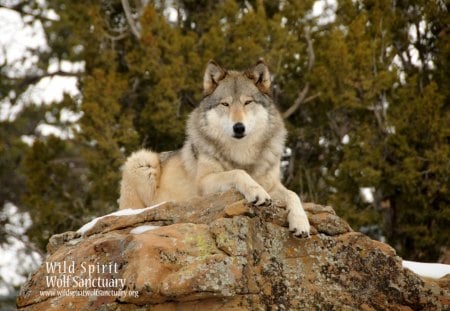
16, 38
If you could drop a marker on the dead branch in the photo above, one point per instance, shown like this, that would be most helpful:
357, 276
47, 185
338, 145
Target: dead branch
116, 38
298, 101
311, 55
301, 98
134, 26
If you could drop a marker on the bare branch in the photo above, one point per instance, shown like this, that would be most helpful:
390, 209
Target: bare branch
301, 98
298, 101
135, 28
310, 98
116, 38
311, 55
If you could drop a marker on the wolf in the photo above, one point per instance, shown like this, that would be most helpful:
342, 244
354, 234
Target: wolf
235, 139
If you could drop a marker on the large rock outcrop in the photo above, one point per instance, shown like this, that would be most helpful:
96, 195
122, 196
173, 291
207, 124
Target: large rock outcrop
219, 253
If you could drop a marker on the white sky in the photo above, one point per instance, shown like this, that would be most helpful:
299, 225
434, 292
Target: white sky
16, 37
324, 11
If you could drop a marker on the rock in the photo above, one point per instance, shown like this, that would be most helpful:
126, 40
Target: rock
219, 253
59, 239
238, 208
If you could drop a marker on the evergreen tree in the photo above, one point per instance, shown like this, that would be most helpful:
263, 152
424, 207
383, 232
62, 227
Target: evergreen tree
365, 96
399, 129
55, 189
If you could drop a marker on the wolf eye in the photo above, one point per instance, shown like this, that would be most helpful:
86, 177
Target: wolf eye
248, 102
224, 104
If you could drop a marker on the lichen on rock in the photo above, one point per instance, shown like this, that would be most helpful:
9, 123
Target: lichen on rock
220, 253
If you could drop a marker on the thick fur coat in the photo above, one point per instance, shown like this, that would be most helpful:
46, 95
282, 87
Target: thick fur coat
235, 139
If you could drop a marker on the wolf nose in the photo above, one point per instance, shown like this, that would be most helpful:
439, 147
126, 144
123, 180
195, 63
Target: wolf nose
239, 130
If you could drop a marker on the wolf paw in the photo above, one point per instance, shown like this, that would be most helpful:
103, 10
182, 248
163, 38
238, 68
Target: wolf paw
148, 170
149, 163
143, 163
298, 223
257, 196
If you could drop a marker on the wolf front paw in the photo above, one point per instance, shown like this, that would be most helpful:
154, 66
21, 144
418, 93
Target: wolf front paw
257, 195
143, 164
298, 223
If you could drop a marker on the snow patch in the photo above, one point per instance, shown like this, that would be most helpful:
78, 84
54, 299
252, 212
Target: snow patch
429, 270
124, 212
345, 140
367, 194
142, 229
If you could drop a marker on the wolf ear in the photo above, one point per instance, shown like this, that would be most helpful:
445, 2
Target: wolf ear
260, 75
213, 74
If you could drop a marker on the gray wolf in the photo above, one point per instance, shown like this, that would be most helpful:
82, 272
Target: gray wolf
235, 139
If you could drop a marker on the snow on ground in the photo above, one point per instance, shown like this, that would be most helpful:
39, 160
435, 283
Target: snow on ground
430, 270
124, 212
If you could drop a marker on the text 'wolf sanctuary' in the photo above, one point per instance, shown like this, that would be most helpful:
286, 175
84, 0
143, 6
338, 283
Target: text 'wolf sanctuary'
69, 278
61, 274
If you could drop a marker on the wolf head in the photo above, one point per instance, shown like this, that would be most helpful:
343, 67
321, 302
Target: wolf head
236, 104
237, 121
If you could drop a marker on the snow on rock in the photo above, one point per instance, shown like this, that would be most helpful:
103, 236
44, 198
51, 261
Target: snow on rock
142, 229
123, 212
429, 270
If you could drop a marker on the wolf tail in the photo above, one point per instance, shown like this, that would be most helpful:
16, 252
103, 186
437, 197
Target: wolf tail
140, 178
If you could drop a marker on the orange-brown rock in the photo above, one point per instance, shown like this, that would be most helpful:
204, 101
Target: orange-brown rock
218, 253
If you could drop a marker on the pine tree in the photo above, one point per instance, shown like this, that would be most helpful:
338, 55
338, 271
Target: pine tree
360, 109
55, 189
399, 130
